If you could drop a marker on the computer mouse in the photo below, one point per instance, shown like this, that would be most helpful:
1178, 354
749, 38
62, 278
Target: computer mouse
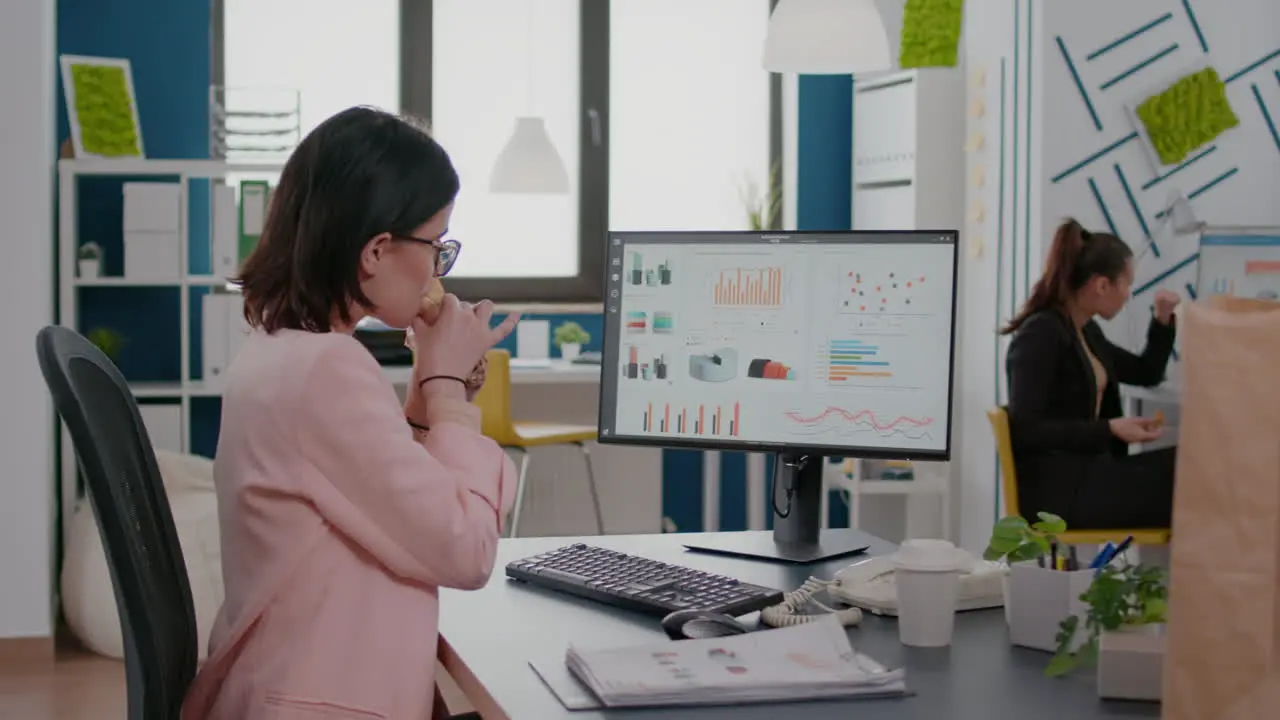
698, 624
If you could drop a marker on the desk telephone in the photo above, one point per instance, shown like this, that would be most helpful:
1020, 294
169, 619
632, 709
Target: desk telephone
869, 585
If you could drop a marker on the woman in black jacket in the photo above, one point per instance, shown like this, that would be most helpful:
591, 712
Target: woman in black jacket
1070, 440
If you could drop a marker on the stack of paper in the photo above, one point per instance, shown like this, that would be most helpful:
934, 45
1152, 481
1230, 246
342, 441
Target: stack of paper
809, 661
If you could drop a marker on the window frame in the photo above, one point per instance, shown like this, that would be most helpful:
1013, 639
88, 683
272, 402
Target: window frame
416, 85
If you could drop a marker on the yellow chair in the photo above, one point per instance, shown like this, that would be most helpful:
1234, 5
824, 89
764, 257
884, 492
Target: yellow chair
999, 418
494, 401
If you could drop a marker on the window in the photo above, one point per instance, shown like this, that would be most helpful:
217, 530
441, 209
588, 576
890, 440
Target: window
659, 109
689, 113
494, 61
331, 57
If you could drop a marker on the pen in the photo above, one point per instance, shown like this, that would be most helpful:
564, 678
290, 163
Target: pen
1053, 555
1103, 556
1073, 562
1124, 545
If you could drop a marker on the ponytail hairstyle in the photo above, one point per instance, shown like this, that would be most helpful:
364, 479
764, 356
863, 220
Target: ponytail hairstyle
1075, 257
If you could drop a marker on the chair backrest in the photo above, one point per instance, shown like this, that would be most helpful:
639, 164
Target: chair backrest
494, 399
123, 482
999, 418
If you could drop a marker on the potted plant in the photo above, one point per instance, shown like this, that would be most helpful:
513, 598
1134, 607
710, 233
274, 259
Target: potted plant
764, 210
89, 260
570, 337
109, 341
1037, 596
1123, 632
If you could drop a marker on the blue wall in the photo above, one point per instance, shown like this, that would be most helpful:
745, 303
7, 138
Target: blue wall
168, 46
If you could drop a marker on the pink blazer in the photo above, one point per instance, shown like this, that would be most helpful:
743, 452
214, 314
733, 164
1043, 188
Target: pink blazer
338, 528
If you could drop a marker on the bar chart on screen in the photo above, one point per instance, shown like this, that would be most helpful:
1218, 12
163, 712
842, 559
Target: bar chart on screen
847, 362
704, 419
739, 287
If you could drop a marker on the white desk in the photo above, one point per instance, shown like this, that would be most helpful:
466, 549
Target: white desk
556, 372
557, 503
1139, 401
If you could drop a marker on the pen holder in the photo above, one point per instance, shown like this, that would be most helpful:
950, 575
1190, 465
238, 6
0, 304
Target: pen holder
1037, 600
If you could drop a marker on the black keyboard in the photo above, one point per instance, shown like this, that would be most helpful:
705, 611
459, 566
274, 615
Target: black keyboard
636, 583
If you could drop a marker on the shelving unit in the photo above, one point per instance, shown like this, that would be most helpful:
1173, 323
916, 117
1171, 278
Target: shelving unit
184, 388
908, 173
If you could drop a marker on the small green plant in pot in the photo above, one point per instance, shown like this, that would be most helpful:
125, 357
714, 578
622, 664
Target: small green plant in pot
570, 337
1015, 540
89, 260
109, 341
1120, 597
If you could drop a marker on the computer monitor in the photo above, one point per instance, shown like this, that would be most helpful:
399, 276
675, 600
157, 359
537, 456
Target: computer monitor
804, 344
1239, 262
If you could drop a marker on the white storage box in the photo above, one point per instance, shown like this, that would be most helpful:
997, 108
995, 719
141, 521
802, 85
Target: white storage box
1037, 600
152, 207
1131, 663
164, 425
152, 256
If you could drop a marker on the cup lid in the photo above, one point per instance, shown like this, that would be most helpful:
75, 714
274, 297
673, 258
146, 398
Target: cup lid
924, 555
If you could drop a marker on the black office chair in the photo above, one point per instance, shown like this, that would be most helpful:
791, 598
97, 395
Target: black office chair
123, 482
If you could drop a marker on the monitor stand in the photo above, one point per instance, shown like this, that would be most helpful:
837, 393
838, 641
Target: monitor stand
798, 536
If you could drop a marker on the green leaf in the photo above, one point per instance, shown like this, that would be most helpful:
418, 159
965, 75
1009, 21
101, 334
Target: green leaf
1024, 552
1050, 524
1061, 664
1042, 543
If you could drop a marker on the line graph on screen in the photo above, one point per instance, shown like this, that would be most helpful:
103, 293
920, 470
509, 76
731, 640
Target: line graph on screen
838, 421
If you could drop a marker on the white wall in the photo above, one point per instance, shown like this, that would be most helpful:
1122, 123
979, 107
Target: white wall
1237, 34
27, 124
1037, 127
985, 266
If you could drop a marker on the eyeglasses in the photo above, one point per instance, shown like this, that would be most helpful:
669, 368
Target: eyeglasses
446, 251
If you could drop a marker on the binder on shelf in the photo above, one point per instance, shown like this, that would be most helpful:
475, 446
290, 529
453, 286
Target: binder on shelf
254, 196
224, 333
226, 232
216, 336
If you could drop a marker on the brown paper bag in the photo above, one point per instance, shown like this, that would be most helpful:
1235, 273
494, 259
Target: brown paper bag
1222, 660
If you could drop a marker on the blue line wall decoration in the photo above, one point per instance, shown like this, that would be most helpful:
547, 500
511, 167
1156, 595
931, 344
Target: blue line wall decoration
1075, 76
1128, 36
1102, 205
1185, 163
1096, 156
1266, 116
1252, 66
1195, 24
1136, 68
1137, 209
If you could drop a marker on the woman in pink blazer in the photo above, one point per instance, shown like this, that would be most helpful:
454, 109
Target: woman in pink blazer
343, 511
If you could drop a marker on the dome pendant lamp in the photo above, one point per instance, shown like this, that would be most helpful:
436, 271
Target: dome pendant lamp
529, 163
826, 37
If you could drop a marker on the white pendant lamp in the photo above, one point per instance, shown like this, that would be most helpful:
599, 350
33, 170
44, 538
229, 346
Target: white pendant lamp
826, 37
529, 163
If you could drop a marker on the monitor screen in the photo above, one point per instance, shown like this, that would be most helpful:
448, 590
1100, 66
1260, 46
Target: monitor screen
834, 342
1243, 264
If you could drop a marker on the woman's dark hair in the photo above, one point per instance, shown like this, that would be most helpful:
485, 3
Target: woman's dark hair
1075, 256
359, 173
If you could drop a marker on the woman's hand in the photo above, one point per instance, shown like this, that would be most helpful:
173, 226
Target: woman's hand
456, 341
1136, 429
1165, 302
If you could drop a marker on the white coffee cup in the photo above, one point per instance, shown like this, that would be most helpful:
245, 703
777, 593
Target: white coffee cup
927, 576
